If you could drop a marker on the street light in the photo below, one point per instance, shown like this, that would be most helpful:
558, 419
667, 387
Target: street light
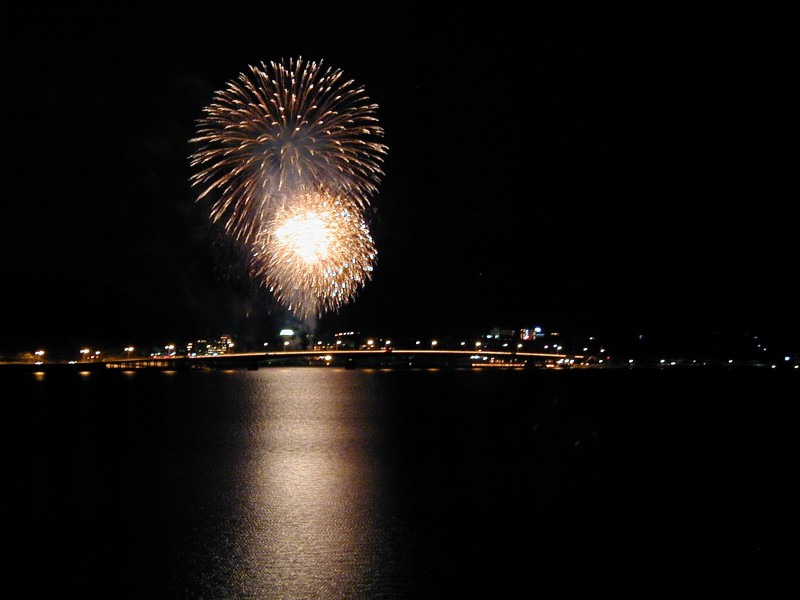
129, 349
84, 352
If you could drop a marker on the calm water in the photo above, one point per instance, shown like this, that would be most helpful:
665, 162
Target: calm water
319, 483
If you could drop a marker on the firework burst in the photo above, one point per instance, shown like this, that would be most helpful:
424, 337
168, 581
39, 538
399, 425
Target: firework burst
285, 129
314, 254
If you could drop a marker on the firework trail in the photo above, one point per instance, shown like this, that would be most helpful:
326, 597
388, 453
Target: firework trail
285, 129
314, 254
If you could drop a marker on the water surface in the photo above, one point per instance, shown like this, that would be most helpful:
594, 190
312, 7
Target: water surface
327, 483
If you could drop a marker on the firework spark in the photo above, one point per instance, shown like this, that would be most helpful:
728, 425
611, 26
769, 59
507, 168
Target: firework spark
286, 129
314, 254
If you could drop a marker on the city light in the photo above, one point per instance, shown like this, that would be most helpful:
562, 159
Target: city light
507, 349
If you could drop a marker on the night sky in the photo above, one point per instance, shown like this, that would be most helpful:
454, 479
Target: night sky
586, 170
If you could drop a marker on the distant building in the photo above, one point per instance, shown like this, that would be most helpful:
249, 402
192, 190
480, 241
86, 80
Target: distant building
222, 345
528, 334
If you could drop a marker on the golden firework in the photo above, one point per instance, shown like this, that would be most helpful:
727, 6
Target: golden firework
315, 253
284, 129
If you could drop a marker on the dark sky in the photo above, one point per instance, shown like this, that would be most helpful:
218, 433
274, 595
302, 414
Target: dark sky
588, 170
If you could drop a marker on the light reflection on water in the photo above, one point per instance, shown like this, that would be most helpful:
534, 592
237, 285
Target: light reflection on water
273, 487
314, 524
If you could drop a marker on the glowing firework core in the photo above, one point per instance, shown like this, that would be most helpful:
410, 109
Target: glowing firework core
314, 254
306, 236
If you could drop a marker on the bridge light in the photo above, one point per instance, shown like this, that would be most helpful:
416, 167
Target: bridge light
434, 342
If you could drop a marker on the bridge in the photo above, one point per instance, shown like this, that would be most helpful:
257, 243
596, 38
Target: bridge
348, 359
383, 358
